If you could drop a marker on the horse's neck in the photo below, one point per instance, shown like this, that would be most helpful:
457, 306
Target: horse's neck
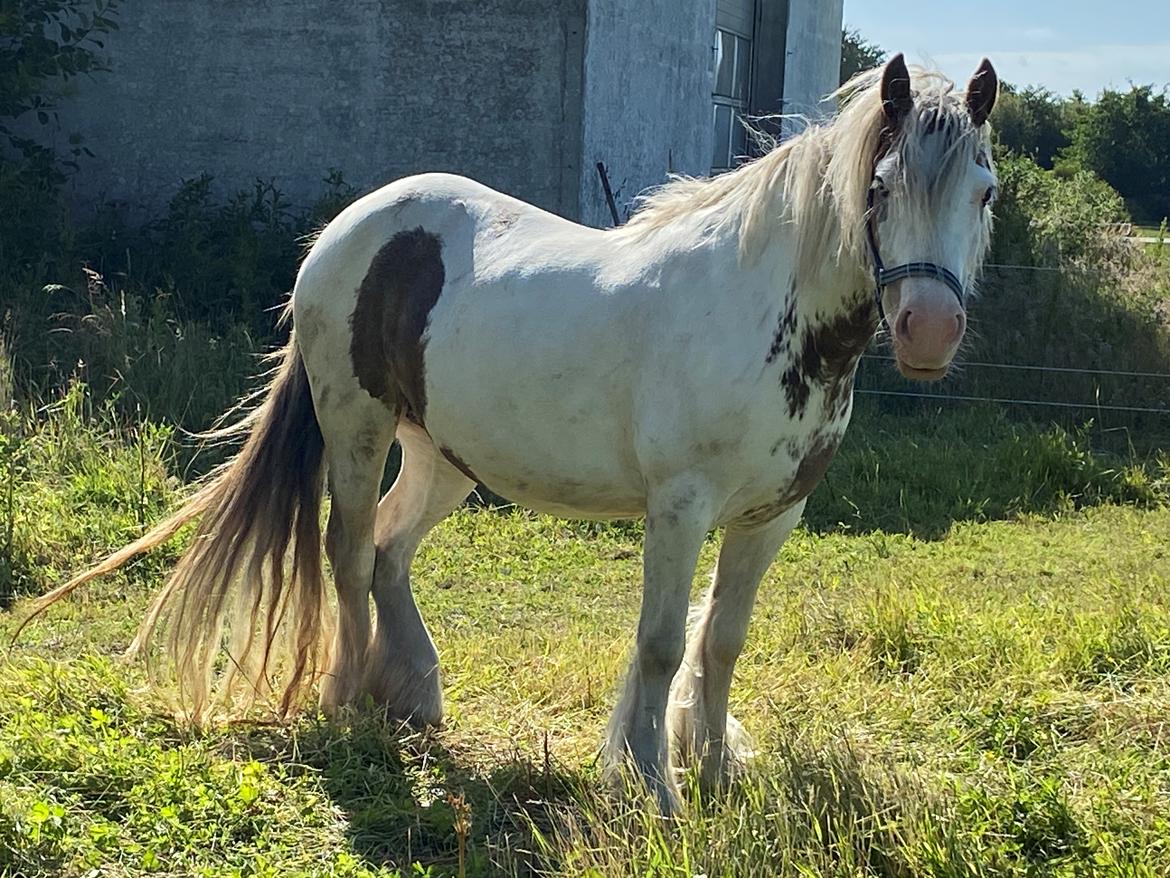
825, 313
817, 290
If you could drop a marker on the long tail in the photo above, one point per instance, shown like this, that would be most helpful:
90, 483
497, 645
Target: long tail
257, 510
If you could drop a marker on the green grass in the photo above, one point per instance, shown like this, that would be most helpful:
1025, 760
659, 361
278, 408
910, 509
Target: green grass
991, 703
76, 481
961, 666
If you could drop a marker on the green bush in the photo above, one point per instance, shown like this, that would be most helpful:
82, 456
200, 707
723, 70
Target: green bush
1045, 219
1033, 122
1125, 138
168, 319
43, 45
220, 261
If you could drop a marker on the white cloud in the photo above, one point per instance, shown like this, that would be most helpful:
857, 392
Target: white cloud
1063, 70
1038, 34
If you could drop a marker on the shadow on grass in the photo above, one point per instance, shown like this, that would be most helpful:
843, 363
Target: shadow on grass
412, 798
404, 795
922, 472
923, 469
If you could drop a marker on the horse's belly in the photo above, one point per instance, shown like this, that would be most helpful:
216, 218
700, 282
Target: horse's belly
555, 469
540, 433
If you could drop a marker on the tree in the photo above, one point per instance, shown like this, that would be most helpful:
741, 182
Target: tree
857, 54
1033, 121
1124, 138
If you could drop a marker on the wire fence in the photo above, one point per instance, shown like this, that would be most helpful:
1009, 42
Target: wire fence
955, 397
1134, 392
1055, 369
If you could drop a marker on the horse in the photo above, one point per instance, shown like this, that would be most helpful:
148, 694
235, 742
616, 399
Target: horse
693, 367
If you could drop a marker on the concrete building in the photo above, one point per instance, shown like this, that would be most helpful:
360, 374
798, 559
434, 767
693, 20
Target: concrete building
524, 95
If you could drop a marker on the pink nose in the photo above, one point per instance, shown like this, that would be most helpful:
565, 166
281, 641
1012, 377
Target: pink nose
927, 333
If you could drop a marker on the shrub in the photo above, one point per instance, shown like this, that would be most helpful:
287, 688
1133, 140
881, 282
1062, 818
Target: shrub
43, 44
1033, 122
1045, 219
1125, 138
170, 320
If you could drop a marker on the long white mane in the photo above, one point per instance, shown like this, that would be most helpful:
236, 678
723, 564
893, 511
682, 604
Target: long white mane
817, 181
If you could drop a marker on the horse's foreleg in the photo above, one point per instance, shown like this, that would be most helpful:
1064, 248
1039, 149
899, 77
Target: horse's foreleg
402, 668
698, 719
678, 518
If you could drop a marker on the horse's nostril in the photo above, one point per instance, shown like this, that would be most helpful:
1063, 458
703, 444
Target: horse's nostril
902, 330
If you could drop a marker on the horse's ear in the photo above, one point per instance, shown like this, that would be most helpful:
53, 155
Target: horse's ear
896, 98
981, 92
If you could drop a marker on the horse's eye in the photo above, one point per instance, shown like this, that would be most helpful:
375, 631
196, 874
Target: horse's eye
988, 195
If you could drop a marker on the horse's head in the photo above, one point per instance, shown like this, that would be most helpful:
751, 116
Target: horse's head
929, 217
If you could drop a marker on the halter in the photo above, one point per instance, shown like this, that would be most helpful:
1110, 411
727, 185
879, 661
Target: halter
883, 276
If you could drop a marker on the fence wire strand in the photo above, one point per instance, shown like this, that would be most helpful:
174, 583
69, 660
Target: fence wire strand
1028, 367
1031, 368
946, 397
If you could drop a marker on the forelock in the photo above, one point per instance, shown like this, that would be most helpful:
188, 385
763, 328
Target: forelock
935, 142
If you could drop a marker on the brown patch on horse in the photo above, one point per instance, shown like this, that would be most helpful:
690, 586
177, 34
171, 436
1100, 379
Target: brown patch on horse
502, 221
394, 303
828, 356
785, 327
812, 468
456, 461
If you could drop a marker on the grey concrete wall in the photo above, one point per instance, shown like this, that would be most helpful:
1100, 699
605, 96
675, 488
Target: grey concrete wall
647, 96
813, 55
288, 89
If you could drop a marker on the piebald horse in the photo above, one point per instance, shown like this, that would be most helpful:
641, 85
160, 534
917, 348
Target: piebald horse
693, 367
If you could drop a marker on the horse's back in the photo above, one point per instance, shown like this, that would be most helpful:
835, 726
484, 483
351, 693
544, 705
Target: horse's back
491, 316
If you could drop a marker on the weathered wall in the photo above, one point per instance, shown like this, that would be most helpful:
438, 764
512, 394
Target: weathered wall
647, 105
813, 55
288, 89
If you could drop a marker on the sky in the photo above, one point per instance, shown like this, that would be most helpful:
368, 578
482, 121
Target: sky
1087, 45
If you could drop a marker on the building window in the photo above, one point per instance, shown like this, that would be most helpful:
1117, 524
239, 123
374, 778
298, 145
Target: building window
733, 73
735, 22
748, 53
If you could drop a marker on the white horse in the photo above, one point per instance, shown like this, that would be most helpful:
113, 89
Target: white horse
694, 367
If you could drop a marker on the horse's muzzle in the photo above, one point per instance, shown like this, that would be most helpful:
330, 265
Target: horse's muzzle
927, 327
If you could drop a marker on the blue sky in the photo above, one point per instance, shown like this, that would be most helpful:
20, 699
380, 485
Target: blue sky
1075, 44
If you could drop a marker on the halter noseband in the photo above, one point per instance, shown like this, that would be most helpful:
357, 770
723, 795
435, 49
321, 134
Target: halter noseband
883, 276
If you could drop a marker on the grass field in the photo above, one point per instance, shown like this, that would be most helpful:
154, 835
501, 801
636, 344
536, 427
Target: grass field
995, 701
960, 667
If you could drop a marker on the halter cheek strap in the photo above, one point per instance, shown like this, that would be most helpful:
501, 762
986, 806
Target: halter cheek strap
883, 276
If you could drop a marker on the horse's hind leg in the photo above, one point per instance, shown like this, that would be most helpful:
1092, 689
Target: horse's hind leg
357, 441
698, 720
402, 667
